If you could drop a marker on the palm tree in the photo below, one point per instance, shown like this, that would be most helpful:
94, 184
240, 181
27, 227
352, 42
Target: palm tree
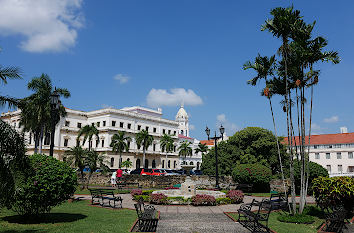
94, 160
6, 73
37, 111
185, 150
88, 131
76, 158
127, 164
119, 144
201, 148
166, 144
144, 139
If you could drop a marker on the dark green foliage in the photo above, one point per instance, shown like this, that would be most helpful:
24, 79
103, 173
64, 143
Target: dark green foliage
145, 198
250, 145
12, 160
315, 169
48, 182
335, 191
255, 174
223, 201
297, 218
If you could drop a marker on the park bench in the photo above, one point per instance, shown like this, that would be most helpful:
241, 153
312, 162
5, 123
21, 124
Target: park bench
147, 216
335, 216
279, 201
101, 196
255, 221
245, 187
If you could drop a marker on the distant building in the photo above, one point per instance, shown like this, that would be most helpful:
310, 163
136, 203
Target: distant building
332, 151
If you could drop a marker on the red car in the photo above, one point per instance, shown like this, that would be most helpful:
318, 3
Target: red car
157, 172
147, 172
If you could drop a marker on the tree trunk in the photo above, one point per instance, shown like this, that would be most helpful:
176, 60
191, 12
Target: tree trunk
36, 142
143, 157
41, 139
166, 160
120, 159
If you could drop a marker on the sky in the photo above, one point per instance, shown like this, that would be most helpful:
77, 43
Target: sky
160, 53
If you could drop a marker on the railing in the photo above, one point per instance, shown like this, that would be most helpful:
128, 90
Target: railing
342, 174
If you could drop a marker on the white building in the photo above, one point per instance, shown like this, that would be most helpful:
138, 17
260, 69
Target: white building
108, 121
333, 151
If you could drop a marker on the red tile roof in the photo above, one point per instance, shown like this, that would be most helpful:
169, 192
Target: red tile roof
324, 139
207, 142
182, 136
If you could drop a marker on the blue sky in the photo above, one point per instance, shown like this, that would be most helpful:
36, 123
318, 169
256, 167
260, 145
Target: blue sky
157, 52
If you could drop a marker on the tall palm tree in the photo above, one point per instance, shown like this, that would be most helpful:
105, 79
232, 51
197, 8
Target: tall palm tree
144, 139
119, 144
7, 73
76, 158
201, 148
166, 144
94, 160
185, 150
88, 131
39, 105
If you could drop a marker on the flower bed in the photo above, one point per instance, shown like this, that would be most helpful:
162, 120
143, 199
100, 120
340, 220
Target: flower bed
203, 200
236, 196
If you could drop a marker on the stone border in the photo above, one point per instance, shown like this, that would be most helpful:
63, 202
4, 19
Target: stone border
232, 218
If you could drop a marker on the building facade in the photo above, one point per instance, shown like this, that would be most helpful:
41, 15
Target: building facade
108, 121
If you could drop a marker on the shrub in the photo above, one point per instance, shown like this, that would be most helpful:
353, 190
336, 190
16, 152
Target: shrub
147, 192
223, 201
158, 198
297, 218
180, 200
135, 192
255, 174
236, 196
48, 183
335, 191
144, 197
203, 200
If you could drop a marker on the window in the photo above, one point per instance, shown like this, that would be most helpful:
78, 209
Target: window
174, 164
174, 132
154, 147
104, 123
169, 131
182, 132
339, 155
30, 138
121, 124
97, 142
154, 130
328, 156
112, 162
102, 143
66, 142
330, 146
174, 148
340, 168
328, 168
163, 131
98, 124
163, 163
350, 155
137, 163
315, 146
317, 155
67, 123
146, 163
147, 128
128, 144
79, 125
139, 127
191, 163
93, 124
129, 126
113, 123
198, 165
47, 139
169, 163
153, 164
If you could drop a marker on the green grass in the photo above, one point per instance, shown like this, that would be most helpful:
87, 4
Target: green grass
71, 217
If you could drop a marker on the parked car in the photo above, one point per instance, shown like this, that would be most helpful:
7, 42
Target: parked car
181, 172
157, 172
147, 172
196, 172
169, 172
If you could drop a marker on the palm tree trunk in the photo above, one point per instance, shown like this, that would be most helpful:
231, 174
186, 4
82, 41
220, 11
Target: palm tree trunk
41, 139
120, 159
309, 143
166, 160
36, 142
143, 157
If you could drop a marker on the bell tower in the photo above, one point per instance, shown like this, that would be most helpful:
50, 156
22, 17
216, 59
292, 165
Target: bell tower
182, 119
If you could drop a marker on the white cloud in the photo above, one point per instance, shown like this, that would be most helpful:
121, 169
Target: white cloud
106, 106
174, 97
230, 127
332, 119
317, 129
191, 127
47, 25
121, 78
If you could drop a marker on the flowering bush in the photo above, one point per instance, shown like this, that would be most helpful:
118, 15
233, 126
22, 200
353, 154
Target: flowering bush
158, 198
236, 196
203, 200
255, 174
136, 192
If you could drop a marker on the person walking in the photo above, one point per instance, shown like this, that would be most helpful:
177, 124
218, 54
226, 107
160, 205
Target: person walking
114, 179
119, 175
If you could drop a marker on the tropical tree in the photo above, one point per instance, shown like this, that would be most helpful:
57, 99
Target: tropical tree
166, 144
88, 131
185, 150
119, 144
76, 158
127, 164
201, 148
94, 160
36, 115
144, 139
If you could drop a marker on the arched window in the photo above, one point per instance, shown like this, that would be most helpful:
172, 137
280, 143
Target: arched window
146, 163
128, 159
182, 132
191, 163
174, 164
112, 162
169, 163
198, 164
137, 164
153, 164
163, 163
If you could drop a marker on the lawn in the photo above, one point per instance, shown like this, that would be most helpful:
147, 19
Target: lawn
281, 227
72, 217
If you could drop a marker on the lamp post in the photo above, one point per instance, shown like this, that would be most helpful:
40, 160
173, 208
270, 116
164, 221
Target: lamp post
215, 138
54, 106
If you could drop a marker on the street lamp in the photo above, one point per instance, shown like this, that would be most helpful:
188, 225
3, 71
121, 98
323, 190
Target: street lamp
215, 138
54, 106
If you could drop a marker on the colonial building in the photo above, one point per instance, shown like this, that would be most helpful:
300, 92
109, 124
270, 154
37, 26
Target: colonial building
108, 121
332, 151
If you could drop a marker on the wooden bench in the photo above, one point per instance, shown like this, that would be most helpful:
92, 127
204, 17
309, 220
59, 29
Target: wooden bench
335, 218
255, 221
101, 196
147, 216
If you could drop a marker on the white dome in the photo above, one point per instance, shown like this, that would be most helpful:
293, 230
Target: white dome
181, 114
